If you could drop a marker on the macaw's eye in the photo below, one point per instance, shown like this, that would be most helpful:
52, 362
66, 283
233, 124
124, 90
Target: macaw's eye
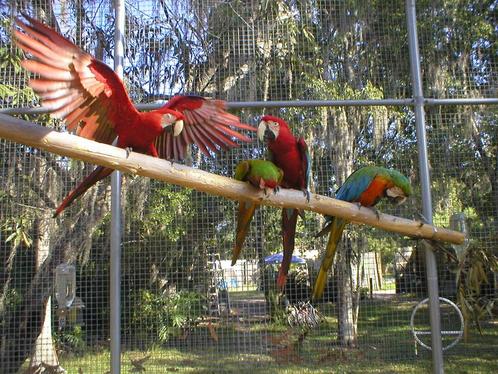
274, 126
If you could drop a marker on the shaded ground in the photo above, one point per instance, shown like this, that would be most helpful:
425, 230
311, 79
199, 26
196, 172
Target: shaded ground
249, 307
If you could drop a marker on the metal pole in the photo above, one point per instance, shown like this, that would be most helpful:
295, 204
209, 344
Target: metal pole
463, 101
300, 104
432, 284
115, 271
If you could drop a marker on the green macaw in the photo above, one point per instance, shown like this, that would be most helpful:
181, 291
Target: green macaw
261, 174
366, 186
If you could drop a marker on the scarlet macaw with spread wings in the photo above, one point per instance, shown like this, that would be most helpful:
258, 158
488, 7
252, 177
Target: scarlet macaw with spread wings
93, 102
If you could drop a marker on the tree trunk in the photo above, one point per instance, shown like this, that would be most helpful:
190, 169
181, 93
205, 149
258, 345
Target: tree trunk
347, 326
339, 128
378, 266
44, 350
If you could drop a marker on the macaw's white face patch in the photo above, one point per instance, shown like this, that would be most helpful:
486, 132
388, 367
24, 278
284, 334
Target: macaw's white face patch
268, 129
396, 194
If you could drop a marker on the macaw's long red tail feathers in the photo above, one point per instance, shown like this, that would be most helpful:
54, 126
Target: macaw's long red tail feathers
336, 228
289, 221
246, 212
97, 174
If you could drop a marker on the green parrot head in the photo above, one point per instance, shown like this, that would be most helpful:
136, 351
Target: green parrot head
401, 189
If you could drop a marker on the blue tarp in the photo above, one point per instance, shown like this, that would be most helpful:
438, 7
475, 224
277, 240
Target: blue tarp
277, 259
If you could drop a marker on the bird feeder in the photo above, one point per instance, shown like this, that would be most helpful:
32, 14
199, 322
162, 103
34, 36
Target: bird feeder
65, 285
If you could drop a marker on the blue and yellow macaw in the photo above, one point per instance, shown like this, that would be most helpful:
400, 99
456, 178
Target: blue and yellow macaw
365, 186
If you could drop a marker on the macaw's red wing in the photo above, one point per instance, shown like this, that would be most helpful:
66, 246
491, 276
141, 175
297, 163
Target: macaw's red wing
97, 174
206, 124
74, 86
244, 218
289, 221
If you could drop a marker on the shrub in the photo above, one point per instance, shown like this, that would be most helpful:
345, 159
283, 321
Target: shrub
160, 317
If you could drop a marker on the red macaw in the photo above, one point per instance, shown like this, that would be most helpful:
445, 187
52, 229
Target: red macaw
366, 186
93, 102
261, 174
291, 155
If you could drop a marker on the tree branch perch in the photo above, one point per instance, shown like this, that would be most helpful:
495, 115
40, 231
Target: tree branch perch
83, 149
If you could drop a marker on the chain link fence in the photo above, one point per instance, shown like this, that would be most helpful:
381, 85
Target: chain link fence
184, 308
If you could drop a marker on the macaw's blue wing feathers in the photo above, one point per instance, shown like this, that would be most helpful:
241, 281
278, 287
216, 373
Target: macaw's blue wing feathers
354, 186
350, 191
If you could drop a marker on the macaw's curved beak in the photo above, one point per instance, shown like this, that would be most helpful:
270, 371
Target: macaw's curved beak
264, 132
261, 130
178, 127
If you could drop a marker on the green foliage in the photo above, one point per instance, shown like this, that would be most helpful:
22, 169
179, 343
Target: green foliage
160, 317
276, 307
12, 299
10, 58
168, 203
70, 340
17, 230
11, 95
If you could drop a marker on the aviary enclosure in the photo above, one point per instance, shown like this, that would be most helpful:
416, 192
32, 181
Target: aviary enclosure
345, 76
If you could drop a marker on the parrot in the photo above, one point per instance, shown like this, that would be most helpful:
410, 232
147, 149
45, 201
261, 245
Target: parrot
261, 174
291, 155
92, 101
366, 186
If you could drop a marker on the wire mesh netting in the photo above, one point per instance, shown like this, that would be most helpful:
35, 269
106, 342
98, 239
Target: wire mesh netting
184, 307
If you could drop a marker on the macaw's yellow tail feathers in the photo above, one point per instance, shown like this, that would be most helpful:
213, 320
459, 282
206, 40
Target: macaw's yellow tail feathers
320, 283
246, 212
336, 229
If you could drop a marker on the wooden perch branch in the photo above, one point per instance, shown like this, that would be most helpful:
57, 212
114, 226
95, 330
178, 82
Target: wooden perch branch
106, 155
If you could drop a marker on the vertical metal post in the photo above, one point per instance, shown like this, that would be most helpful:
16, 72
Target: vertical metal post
115, 271
432, 284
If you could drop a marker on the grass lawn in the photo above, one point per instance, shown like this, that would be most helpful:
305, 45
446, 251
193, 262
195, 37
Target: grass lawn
386, 346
